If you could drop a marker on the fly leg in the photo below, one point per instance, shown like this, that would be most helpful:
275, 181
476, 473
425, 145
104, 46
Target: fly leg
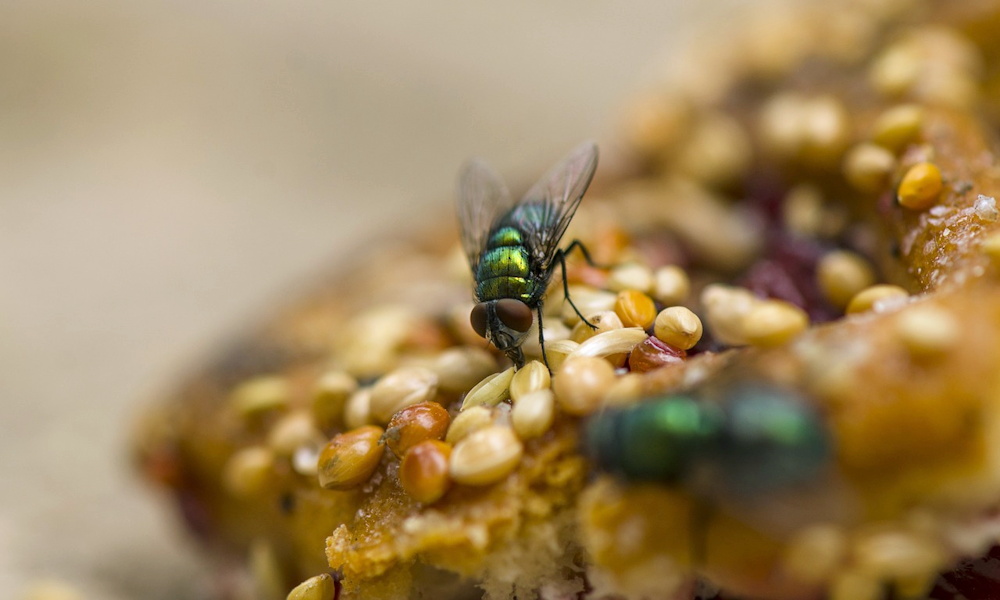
541, 338
561, 256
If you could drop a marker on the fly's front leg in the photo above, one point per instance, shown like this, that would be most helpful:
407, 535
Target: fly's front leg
561, 257
541, 338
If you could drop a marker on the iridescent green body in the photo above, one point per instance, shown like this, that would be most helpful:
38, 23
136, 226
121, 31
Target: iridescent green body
747, 440
507, 268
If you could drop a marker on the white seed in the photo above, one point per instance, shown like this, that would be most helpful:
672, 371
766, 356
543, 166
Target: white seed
492, 390
458, 369
616, 341
532, 377
671, 285
533, 414
248, 471
357, 411
588, 300
558, 351
717, 151
868, 166
854, 585
293, 431
899, 556
773, 323
802, 210
333, 389
581, 383
626, 390
305, 461
841, 275
260, 395
604, 321
877, 298
630, 276
485, 456
814, 554
471, 419
725, 310
268, 578
898, 126
678, 326
320, 587
403, 387
927, 331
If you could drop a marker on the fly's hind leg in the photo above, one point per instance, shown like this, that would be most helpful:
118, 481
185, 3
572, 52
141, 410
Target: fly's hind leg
561, 257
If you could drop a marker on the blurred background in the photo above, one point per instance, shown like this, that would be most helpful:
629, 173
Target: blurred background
169, 168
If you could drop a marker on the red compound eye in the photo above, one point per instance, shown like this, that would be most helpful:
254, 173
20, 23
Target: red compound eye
479, 318
514, 314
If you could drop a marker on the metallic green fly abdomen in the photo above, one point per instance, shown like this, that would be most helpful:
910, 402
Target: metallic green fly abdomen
513, 248
746, 440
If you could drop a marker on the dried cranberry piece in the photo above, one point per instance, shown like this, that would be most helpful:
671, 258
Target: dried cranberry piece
972, 579
654, 353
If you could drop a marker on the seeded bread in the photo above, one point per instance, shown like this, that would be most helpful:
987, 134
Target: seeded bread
814, 209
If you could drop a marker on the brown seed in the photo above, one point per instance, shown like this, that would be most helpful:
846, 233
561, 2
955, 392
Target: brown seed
320, 587
678, 326
920, 187
423, 474
581, 382
350, 459
401, 388
486, 456
635, 309
249, 471
652, 354
414, 424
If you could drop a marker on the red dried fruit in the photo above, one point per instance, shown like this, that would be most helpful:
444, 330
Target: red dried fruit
654, 353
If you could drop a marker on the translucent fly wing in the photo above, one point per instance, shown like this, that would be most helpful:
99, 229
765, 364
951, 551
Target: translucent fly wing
482, 199
559, 193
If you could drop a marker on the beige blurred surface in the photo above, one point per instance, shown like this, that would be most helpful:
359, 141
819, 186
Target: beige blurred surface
167, 169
